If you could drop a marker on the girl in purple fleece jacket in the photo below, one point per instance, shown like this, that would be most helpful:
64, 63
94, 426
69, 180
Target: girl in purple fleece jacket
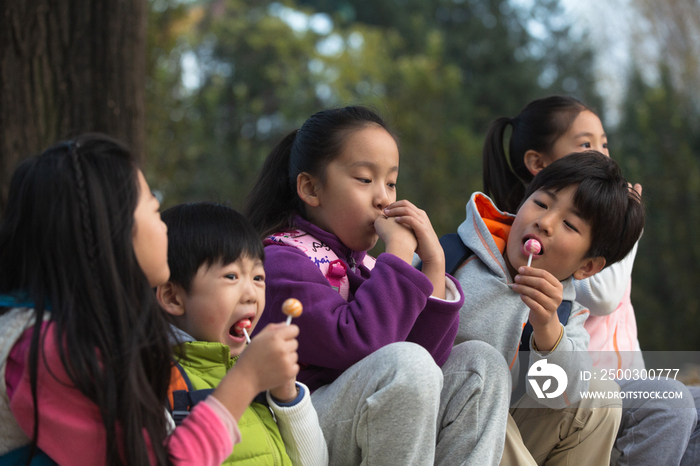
388, 386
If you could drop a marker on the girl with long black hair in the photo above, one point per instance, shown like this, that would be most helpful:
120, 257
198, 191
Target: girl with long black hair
82, 338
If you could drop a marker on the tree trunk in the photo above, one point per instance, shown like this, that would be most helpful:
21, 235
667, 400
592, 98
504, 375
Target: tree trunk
69, 67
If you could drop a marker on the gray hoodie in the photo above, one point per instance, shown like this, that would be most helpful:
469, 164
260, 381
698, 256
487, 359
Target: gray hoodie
494, 313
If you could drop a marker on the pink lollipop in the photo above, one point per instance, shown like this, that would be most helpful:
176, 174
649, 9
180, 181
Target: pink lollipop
533, 247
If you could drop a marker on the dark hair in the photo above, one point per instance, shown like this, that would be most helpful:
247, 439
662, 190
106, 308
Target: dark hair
603, 198
66, 242
273, 201
537, 127
206, 233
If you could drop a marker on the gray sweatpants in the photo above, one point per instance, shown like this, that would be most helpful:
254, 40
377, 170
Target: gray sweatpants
397, 406
652, 431
692, 453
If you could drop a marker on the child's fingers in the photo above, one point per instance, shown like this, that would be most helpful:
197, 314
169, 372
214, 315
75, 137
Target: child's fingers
542, 294
541, 312
289, 331
286, 339
291, 363
428, 242
399, 203
403, 209
637, 187
534, 306
292, 345
535, 272
414, 217
282, 329
411, 222
540, 280
540, 284
399, 213
408, 210
419, 225
533, 293
538, 315
396, 210
526, 273
386, 225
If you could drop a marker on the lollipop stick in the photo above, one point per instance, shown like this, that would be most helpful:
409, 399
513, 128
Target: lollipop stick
247, 338
289, 319
533, 247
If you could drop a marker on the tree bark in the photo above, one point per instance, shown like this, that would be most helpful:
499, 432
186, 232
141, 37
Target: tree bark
69, 67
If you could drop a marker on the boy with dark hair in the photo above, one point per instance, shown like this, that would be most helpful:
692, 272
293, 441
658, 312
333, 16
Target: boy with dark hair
585, 216
216, 288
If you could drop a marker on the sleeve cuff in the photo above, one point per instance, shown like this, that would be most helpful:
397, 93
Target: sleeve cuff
452, 294
294, 402
534, 346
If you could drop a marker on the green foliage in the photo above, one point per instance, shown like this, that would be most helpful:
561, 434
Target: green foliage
658, 145
438, 70
255, 85
502, 65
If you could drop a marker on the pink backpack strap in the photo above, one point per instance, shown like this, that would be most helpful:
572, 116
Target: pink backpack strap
369, 261
320, 253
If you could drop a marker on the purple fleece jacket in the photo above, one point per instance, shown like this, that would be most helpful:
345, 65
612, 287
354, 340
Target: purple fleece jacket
388, 305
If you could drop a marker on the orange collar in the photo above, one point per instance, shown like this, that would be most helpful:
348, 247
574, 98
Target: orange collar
498, 224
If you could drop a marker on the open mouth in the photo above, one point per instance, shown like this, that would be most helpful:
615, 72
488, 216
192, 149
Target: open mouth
236, 329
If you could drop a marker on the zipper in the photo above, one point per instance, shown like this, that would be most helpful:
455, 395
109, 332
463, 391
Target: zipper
353, 264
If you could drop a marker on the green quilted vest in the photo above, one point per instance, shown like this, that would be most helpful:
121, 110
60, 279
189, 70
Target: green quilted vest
261, 444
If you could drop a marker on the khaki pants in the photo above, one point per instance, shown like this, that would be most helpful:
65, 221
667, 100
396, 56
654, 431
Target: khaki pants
582, 434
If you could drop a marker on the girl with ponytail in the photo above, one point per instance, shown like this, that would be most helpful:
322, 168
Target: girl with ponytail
536, 129
85, 354
375, 342
546, 130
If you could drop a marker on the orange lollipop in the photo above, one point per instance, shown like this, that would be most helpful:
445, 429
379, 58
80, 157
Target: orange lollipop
292, 308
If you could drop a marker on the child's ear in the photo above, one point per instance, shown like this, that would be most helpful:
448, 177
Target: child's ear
307, 189
591, 267
170, 298
534, 161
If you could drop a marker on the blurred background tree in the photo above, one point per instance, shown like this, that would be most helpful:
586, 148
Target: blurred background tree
66, 68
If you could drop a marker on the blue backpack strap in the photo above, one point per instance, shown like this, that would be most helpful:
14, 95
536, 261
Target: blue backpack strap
563, 312
456, 252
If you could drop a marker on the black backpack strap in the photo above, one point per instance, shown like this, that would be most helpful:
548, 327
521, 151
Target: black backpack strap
199, 395
563, 312
261, 398
181, 406
456, 252
185, 400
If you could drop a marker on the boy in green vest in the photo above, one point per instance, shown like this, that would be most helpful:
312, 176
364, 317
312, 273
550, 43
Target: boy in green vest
216, 288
